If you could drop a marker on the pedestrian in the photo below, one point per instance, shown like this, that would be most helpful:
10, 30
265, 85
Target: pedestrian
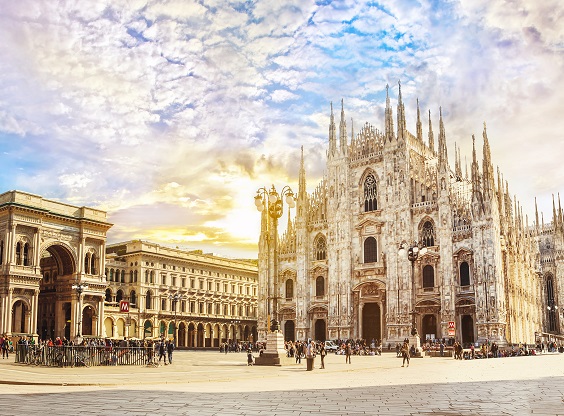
4, 346
250, 360
298, 352
405, 353
348, 353
322, 354
169, 350
162, 351
442, 347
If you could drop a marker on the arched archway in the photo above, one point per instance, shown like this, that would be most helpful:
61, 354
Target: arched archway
147, 329
320, 330
109, 327
191, 335
289, 331
200, 336
87, 317
467, 329
371, 322
20, 316
181, 335
429, 326
58, 268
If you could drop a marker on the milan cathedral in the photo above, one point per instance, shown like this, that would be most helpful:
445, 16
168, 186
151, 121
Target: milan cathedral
338, 272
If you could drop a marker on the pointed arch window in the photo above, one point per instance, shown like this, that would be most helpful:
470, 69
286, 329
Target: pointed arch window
428, 234
428, 276
370, 250
320, 286
119, 296
370, 194
123, 276
550, 306
108, 297
93, 260
320, 248
289, 289
464, 274
133, 297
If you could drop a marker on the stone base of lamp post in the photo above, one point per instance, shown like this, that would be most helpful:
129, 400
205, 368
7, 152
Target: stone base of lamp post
416, 340
274, 354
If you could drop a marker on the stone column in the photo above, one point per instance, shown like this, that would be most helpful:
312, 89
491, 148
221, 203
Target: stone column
8, 315
36, 251
34, 312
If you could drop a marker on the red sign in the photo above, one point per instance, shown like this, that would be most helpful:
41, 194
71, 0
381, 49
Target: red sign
451, 329
123, 306
451, 325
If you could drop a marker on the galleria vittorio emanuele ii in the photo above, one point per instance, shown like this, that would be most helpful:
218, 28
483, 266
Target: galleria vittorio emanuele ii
394, 240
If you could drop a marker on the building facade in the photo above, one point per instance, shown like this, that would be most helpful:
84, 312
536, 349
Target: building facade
198, 299
58, 279
339, 273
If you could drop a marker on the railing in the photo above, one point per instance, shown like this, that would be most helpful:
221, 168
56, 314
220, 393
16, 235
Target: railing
71, 356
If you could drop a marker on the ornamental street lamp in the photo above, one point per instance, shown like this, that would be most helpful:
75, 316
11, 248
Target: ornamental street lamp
413, 251
552, 309
80, 288
273, 203
175, 298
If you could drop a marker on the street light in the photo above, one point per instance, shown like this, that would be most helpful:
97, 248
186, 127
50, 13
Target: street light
272, 201
413, 251
234, 323
80, 288
552, 315
175, 298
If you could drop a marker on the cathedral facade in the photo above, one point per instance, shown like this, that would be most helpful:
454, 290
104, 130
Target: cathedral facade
337, 272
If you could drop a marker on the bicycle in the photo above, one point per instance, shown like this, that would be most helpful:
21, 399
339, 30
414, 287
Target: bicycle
82, 358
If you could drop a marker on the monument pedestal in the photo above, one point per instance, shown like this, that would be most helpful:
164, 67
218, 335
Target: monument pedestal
415, 340
275, 353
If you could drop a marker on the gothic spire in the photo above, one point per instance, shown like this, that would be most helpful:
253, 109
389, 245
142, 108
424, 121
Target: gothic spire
343, 130
332, 133
302, 180
419, 126
457, 164
554, 216
400, 115
487, 167
389, 117
536, 215
559, 210
443, 157
431, 135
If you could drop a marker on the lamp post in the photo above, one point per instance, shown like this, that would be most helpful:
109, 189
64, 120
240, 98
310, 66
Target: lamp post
175, 298
80, 288
413, 251
272, 202
234, 322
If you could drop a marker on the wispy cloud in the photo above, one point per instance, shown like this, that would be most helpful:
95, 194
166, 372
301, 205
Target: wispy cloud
170, 114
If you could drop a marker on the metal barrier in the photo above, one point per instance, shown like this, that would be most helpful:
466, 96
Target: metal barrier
86, 356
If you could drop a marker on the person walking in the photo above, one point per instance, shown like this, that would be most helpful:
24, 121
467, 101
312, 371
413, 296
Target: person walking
348, 353
162, 351
322, 354
250, 360
405, 353
169, 350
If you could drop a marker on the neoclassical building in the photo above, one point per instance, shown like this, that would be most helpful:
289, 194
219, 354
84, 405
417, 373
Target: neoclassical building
337, 271
200, 299
49, 249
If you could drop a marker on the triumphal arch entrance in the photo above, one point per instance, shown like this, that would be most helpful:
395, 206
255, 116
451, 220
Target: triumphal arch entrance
52, 259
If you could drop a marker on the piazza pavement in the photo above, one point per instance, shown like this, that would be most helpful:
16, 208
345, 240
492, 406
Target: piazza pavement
211, 383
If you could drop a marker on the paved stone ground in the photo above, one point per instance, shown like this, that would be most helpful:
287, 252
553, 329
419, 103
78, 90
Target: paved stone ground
206, 383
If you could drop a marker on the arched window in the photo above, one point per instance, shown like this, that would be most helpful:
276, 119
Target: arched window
26, 254
87, 263
123, 276
18, 253
119, 296
320, 248
370, 250
428, 234
551, 308
133, 297
2, 252
289, 289
464, 274
135, 276
108, 297
131, 276
320, 286
370, 194
163, 304
428, 276
148, 301
111, 275
146, 276
93, 264
152, 276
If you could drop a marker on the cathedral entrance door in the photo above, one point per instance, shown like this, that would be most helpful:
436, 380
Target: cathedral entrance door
289, 331
320, 330
467, 329
429, 324
371, 326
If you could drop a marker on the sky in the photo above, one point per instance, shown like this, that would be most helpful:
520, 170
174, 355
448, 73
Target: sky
170, 115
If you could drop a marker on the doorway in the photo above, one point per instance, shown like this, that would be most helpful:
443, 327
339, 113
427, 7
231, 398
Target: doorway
371, 325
